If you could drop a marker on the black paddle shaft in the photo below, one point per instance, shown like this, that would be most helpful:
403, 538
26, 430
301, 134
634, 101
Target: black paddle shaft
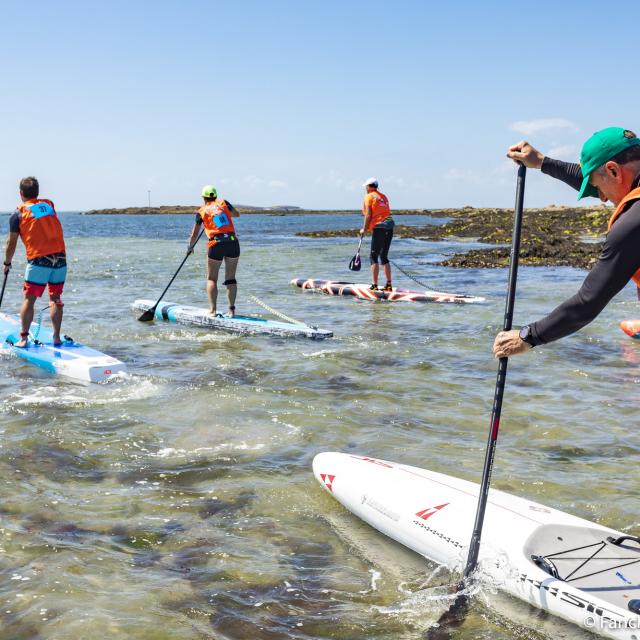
149, 314
474, 547
4, 285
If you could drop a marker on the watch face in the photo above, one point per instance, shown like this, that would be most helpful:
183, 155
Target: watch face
525, 333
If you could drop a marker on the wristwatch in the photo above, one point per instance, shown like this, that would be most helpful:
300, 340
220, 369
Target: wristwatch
527, 336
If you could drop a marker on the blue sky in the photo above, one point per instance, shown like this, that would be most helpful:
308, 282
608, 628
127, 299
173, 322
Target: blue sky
297, 102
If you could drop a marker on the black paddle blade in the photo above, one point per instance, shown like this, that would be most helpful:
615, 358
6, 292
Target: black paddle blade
450, 620
356, 263
148, 315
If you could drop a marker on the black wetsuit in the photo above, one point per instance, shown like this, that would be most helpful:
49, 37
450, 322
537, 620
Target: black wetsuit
619, 260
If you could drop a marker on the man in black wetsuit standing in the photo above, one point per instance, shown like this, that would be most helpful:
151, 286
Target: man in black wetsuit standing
609, 169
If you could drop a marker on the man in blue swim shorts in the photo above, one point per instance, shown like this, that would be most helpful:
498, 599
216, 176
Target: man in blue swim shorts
37, 224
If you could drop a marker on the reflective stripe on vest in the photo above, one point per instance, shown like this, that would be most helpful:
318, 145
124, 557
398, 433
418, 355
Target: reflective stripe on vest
630, 197
216, 217
40, 229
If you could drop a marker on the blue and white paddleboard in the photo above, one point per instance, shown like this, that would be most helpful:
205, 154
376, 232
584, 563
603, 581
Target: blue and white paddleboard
195, 317
71, 359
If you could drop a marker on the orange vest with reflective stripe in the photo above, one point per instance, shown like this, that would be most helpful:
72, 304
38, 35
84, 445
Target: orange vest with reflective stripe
40, 228
630, 197
216, 217
380, 209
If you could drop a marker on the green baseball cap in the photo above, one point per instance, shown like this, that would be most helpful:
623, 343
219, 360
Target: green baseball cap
600, 148
209, 192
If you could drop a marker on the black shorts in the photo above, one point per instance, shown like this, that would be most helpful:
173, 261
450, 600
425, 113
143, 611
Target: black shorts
380, 243
224, 249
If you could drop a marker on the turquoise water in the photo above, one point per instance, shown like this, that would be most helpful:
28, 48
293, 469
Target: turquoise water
179, 502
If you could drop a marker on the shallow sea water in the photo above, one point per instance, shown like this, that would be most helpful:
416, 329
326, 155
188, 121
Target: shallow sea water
179, 502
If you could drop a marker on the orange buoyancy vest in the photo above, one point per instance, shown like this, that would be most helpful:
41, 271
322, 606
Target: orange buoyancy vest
634, 194
40, 228
216, 217
380, 209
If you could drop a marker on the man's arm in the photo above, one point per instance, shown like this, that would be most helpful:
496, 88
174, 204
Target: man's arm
10, 249
569, 172
615, 267
367, 217
232, 210
194, 233
617, 264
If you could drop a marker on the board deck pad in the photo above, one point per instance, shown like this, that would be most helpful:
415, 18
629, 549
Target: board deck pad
247, 325
71, 359
363, 292
568, 566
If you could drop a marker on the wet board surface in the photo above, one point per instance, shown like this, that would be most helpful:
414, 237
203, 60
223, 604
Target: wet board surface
583, 572
71, 359
363, 292
247, 325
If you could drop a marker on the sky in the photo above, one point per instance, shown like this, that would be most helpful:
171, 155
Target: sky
298, 102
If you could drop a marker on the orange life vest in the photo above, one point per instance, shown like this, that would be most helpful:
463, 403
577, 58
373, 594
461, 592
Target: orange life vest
630, 197
380, 209
40, 228
216, 217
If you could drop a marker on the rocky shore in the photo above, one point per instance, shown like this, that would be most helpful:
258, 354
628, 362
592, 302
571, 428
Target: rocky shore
551, 236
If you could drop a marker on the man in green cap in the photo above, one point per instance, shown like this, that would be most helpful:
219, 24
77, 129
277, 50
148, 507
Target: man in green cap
610, 170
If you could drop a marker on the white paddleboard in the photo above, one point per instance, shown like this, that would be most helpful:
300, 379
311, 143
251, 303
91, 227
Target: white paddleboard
71, 359
247, 325
583, 572
364, 292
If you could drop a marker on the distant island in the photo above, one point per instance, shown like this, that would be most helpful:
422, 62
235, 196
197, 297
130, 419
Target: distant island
280, 210
552, 236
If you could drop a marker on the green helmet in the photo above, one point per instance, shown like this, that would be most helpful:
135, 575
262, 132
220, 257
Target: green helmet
209, 192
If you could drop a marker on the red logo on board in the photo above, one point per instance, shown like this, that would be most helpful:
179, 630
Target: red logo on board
373, 461
327, 480
425, 514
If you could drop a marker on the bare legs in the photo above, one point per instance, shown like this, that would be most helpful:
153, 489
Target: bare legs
213, 270
375, 272
387, 271
230, 266
55, 311
26, 318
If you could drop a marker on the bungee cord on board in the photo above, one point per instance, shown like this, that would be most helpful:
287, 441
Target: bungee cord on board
279, 314
401, 270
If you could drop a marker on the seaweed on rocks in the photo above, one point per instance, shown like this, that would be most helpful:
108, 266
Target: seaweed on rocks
551, 236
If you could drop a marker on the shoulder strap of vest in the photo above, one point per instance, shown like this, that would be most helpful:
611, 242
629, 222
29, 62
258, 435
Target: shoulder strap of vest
634, 194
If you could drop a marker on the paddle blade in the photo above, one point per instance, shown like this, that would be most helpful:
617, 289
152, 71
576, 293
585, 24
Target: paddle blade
148, 315
355, 264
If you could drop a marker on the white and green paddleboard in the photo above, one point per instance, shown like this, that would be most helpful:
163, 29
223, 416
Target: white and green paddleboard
247, 325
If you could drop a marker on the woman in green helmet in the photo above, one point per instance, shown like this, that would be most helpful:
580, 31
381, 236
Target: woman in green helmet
216, 214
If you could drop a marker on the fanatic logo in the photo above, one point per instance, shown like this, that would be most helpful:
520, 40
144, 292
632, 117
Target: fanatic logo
425, 514
327, 481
